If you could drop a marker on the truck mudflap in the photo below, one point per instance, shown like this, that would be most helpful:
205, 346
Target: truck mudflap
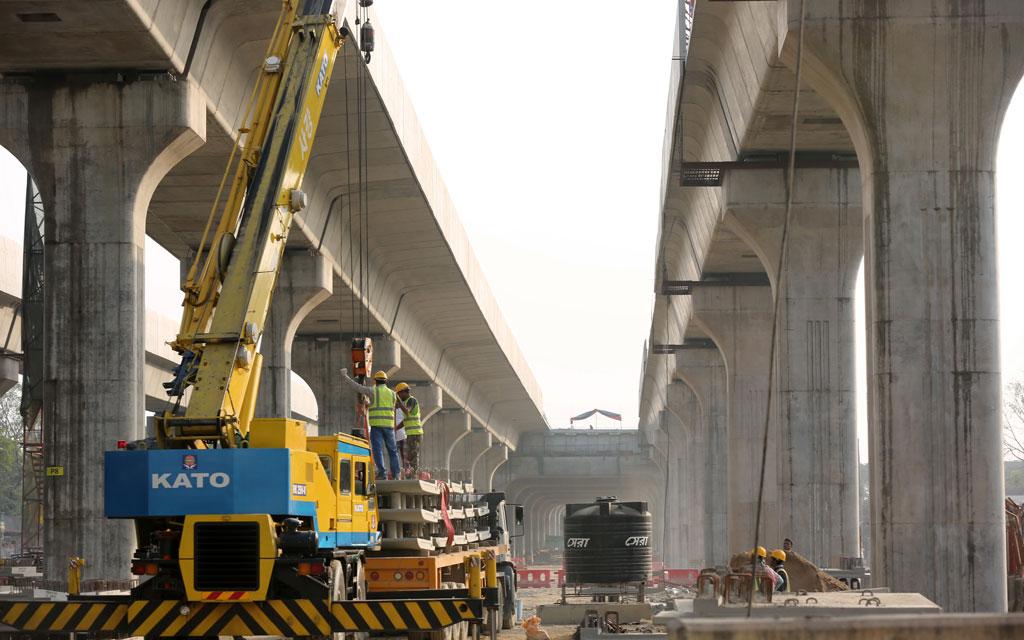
289, 618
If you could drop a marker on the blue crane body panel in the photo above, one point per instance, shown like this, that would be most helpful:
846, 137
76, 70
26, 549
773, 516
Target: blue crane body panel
176, 482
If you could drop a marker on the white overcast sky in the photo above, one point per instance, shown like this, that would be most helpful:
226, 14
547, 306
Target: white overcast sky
547, 125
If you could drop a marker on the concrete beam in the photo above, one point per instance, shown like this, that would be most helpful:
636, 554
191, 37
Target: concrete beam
305, 281
96, 148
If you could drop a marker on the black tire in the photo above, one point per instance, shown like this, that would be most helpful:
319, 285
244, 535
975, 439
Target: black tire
508, 600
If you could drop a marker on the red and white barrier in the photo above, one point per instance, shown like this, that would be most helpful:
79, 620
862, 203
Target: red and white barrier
534, 578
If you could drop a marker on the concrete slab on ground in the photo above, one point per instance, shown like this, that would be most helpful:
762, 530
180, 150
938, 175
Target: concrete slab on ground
960, 626
819, 605
573, 613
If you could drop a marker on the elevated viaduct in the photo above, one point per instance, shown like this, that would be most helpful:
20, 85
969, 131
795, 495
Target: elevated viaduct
899, 112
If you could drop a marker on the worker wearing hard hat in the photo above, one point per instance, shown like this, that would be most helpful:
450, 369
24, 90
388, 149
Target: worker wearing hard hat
413, 428
760, 567
381, 416
777, 563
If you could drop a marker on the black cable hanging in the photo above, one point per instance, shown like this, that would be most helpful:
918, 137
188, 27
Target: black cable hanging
780, 275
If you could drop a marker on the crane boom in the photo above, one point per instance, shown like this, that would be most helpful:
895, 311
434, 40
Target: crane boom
221, 329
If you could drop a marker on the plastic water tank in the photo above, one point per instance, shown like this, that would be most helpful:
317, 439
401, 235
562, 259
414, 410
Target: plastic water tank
607, 542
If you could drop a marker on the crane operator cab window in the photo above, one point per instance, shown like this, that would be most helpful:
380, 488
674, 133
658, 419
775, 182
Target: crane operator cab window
361, 478
345, 477
328, 466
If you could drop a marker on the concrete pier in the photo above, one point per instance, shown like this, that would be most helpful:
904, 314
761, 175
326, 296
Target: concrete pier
928, 177
703, 370
305, 281
97, 149
685, 449
318, 360
817, 431
739, 320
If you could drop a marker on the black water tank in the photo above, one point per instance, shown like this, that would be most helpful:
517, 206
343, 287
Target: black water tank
607, 542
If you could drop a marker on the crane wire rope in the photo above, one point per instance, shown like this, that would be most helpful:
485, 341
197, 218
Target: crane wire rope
364, 208
348, 203
780, 275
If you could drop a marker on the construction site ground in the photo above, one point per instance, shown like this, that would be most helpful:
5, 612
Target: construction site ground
531, 599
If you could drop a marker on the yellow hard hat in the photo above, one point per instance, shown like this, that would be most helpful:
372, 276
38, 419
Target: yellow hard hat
380, 375
779, 555
761, 552
401, 386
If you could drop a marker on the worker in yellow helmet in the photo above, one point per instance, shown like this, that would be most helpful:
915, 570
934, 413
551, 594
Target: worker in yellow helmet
761, 568
381, 415
413, 426
778, 563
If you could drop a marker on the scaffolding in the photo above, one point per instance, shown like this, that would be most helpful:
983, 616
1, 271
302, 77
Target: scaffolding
33, 467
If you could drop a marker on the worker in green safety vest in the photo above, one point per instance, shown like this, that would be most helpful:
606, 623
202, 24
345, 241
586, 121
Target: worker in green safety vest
413, 428
381, 416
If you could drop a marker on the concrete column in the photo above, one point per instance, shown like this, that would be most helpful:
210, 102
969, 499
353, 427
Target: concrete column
430, 397
703, 370
485, 467
675, 528
494, 470
9, 371
817, 436
739, 320
97, 150
306, 280
688, 453
468, 452
929, 185
318, 360
445, 431
387, 355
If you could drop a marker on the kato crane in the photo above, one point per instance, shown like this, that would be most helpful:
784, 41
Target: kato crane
247, 526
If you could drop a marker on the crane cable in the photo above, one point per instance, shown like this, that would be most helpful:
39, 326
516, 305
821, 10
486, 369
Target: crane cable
780, 275
348, 206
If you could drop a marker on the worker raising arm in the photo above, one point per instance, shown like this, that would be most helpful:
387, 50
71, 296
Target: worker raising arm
382, 422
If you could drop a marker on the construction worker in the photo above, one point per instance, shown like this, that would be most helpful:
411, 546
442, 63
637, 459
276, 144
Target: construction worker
413, 428
400, 436
761, 568
787, 545
381, 416
777, 563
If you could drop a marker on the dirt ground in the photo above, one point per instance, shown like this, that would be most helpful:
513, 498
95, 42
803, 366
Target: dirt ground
531, 598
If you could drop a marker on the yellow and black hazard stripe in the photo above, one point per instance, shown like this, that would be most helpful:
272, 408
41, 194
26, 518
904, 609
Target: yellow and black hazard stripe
64, 617
295, 618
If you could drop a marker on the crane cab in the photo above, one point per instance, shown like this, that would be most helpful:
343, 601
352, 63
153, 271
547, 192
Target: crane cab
247, 524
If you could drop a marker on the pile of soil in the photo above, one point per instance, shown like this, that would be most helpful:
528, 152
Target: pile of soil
803, 574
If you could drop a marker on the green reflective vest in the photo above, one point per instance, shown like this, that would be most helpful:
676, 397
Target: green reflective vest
413, 426
382, 407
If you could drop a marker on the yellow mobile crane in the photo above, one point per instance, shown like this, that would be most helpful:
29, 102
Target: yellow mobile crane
247, 526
